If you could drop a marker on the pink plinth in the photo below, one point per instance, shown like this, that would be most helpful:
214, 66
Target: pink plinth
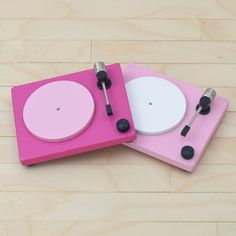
167, 147
100, 133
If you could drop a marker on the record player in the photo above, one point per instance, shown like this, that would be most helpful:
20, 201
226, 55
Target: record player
71, 114
174, 120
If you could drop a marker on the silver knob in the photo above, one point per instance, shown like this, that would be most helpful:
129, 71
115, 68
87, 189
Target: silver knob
210, 93
99, 66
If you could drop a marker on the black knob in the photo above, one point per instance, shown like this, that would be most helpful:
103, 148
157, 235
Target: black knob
102, 77
187, 152
122, 125
205, 104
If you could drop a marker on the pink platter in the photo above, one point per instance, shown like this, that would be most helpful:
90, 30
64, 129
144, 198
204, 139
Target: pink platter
46, 111
66, 115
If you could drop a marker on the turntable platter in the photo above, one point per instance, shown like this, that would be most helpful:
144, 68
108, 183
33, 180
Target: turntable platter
58, 111
157, 105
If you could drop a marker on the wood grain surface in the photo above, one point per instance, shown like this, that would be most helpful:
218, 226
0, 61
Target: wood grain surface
118, 191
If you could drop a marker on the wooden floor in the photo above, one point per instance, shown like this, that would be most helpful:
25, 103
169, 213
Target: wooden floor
118, 191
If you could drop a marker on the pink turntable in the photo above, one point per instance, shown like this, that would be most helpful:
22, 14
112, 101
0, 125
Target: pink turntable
174, 120
71, 114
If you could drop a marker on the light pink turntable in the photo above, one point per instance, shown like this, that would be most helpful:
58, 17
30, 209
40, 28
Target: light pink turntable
71, 114
164, 109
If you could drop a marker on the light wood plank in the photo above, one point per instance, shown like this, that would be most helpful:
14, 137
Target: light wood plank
226, 229
228, 126
45, 51
5, 99
71, 228
230, 95
13, 74
224, 30
99, 29
8, 150
206, 178
118, 206
164, 52
205, 75
226, 129
220, 151
7, 127
82, 178
120, 9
